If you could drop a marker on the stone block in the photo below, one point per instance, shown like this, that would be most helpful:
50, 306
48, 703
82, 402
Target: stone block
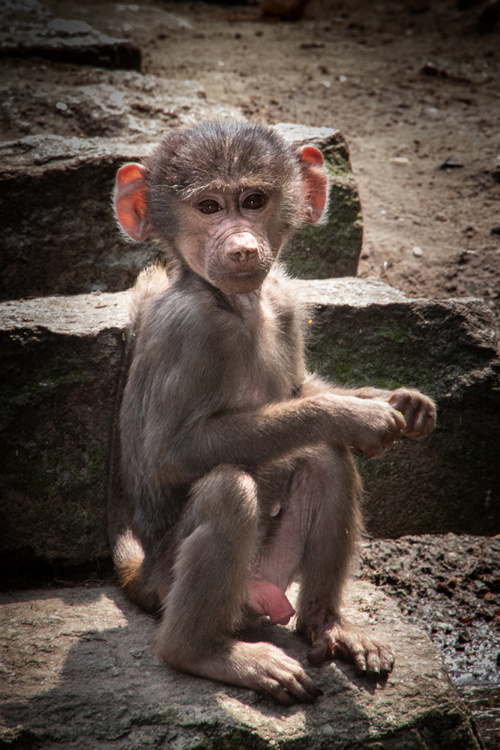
60, 366
100, 104
332, 248
77, 671
30, 29
59, 229
366, 333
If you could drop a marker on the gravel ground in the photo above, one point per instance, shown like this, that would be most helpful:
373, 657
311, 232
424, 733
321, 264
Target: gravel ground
450, 586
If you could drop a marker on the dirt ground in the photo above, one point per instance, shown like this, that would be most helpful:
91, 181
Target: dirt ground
413, 86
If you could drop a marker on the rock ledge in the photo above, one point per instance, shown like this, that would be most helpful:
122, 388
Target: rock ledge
78, 672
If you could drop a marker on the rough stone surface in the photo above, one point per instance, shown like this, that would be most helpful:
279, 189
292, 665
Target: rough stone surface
447, 348
29, 29
60, 367
103, 104
333, 248
59, 229
77, 671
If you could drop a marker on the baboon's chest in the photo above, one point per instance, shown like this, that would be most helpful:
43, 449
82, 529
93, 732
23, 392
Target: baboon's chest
266, 365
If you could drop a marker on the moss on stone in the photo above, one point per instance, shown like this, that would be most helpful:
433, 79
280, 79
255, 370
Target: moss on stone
399, 345
381, 355
333, 248
54, 426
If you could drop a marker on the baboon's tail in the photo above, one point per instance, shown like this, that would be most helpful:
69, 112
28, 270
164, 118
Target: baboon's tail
128, 557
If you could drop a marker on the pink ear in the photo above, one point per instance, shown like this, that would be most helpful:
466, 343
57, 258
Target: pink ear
131, 201
314, 183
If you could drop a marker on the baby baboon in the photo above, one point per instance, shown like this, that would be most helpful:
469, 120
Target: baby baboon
234, 474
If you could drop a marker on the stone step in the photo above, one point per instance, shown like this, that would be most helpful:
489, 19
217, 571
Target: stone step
59, 373
78, 672
366, 333
28, 28
59, 233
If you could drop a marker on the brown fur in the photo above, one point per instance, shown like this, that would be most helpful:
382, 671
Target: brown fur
234, 474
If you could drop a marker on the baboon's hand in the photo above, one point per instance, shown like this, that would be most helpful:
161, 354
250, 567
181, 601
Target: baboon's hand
381, 429
419, 411
369, 425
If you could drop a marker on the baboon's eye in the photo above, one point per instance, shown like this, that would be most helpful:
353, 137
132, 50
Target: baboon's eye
254, 201
209, 206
